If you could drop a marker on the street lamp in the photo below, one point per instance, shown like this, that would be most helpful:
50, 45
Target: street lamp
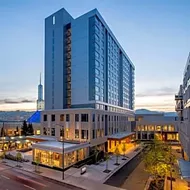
62, 150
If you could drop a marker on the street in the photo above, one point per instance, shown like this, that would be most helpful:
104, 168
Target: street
118, 178
17, 179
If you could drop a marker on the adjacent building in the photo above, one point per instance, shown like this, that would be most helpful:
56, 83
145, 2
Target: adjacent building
89, 89
183, 109
157, 125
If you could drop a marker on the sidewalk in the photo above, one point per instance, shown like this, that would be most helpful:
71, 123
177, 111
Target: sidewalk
93, 179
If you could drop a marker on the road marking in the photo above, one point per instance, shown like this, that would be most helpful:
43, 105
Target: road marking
29, 187
27, 179
5, 177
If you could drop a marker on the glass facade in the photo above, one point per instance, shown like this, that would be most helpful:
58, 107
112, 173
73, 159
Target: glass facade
99, 44
54, 159
113, 80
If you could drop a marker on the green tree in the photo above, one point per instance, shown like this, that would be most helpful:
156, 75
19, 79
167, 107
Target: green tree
159, 161
3, 134
24, 128
30, 129
17, 131
37, 166
117, 154
96, 153
107, 157
124, 149
18, 158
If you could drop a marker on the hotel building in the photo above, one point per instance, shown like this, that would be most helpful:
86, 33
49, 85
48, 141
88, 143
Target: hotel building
89, 88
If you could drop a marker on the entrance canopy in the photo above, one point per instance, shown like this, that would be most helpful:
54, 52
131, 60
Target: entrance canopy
56, 146
120, 136
184, 167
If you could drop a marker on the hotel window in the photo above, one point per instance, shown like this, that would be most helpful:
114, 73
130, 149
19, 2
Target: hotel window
97, 89
84, 134
45, 117
53, 20
97, 55
62, 117
76, 117
93, 117
98, 117
97, 97
61, 132
97, 80
93, 134
102, 117
97, 63
97, 71
76, 133
52, 131
67, 117
53, 117
84, 117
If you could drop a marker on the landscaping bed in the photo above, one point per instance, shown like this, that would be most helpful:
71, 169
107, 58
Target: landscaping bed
14, 158
159, 186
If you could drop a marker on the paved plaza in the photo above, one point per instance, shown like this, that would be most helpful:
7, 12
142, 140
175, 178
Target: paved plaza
92, 179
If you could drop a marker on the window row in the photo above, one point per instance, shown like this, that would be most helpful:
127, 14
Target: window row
66, 117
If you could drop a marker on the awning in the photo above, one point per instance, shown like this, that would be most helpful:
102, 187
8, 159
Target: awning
184, 167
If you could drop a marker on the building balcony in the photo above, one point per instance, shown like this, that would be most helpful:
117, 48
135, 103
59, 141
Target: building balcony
178, 108
178, 97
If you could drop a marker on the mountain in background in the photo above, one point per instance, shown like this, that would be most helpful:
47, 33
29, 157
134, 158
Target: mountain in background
145, 111
15, 115
24, 115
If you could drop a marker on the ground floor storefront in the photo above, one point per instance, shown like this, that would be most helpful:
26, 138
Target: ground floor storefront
122, 141
14, 143
50, 153
161, 135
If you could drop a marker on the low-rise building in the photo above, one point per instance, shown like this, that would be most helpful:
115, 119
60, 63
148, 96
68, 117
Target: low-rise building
160, 126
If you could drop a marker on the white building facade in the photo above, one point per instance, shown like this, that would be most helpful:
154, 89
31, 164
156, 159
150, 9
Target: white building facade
183, 109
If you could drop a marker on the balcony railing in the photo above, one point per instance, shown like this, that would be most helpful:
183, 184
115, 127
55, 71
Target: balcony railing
178, 97
178, 108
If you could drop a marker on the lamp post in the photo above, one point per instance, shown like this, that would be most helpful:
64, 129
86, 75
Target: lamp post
62, 150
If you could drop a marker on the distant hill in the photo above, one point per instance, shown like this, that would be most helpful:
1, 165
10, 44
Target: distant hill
145, 111
15, 115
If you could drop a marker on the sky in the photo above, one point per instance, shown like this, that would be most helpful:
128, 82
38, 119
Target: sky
154, 33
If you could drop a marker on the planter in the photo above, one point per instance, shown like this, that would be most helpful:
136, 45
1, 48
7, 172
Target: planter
107, 171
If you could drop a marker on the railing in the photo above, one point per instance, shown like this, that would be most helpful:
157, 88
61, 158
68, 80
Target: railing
178, 97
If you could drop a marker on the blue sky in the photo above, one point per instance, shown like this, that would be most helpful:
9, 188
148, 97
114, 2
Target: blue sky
155, 35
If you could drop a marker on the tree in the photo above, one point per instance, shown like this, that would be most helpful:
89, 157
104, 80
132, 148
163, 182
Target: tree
159, 161
3, 134
96, 152
24, 128
30, 129
124, 149
18, 158
17, 131
107, 159
117, 153
37, 166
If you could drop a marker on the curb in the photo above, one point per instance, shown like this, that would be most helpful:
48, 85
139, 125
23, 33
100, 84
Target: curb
67, 184
148, 183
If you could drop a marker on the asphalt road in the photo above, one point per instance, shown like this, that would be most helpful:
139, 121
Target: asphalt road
118, 178
15, 179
